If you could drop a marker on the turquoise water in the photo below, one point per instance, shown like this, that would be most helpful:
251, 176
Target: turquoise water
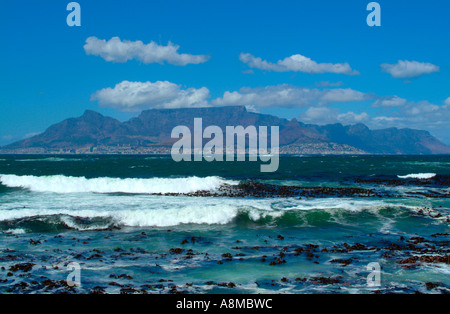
144, 217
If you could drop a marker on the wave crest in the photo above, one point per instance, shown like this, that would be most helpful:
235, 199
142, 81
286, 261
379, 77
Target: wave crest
191, 214
418, 176
64, 184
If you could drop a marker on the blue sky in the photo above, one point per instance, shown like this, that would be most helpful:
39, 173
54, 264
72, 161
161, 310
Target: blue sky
317, 61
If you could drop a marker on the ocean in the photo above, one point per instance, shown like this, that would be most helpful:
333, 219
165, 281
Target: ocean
147, 224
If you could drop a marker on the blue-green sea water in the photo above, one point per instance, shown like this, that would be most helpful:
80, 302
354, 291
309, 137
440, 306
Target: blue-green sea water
146, 224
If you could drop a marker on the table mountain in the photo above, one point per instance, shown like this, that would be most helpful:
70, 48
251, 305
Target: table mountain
150, 133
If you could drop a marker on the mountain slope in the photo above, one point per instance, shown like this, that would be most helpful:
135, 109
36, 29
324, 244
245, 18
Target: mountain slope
93, 132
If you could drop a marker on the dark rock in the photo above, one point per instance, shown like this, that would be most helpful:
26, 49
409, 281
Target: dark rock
25, 267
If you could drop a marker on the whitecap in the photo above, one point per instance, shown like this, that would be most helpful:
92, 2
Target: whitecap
64, 184
418, 176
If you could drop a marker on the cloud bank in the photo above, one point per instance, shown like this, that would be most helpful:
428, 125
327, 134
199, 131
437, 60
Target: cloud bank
116, 50
288, 96
136, 96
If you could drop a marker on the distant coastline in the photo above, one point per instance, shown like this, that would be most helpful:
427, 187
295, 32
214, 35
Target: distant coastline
307, 149
150, 133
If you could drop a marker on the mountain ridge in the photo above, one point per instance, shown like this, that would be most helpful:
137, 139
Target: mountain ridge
150, 131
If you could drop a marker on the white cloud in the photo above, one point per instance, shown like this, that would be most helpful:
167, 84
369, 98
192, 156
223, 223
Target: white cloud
296, 63
421, 108
390, 101
342, 95
137, 96
320, 115
288, 96
353, 118
329, 84
116, 50
327, 115
416, 115
408, 69
447, 101
421, 115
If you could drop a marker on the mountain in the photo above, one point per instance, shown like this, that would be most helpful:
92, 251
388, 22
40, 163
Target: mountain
150, 133
384, 141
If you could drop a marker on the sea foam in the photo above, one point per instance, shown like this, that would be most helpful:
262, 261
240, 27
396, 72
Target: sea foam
99, 211
65, 184
418, 176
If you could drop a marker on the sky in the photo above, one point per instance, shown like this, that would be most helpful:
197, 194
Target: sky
317, 61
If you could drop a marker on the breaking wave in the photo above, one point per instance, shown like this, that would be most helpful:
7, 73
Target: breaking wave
64, 184
418, 176
259, 213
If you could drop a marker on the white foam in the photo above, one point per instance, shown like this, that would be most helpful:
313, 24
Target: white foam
219, 214
333, 204
163, 211
64, 184
15, 231
70, 222
418, 176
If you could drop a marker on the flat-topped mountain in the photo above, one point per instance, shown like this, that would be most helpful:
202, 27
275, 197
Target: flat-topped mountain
150, 133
